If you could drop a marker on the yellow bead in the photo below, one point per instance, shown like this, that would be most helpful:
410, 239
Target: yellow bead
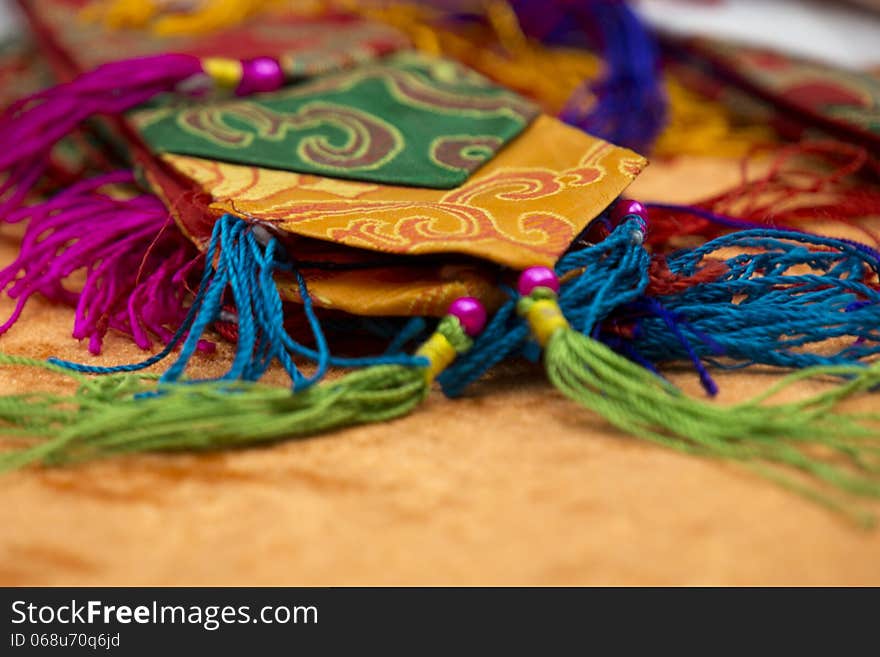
226, 73
438, 350
545, 318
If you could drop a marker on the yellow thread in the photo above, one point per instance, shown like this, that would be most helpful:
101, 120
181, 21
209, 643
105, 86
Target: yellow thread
226, 73
504, 21
120, 14
545, 318
701, 126
440, 352
174, 18
210, 16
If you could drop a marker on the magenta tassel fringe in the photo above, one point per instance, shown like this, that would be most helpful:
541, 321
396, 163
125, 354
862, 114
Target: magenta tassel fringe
138, 266
31, 127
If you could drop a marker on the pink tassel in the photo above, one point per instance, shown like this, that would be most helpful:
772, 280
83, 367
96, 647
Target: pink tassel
138, 265
31, 127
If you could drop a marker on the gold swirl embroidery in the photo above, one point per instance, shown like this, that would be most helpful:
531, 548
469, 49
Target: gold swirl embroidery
454, 92
369, 142
463, 152
404, 227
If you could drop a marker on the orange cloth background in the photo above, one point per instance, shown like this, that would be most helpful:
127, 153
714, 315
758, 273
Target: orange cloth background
512, 485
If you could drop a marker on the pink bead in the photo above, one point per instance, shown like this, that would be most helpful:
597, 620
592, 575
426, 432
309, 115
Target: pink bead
470, 313
260, 75
537, 277
626, 207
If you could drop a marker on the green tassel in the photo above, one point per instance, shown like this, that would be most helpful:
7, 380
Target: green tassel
839, 449
127, 413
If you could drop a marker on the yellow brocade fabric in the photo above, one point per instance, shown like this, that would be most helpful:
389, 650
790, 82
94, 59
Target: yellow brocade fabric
409, 290
522, 208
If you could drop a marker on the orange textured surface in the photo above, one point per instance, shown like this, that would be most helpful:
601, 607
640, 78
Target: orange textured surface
512, 485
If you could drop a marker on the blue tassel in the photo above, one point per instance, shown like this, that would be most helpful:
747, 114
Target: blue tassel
615, 272
764, 310
243, 261
773, 302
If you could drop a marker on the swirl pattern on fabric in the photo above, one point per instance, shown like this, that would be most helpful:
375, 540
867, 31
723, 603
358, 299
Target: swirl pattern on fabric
368, 142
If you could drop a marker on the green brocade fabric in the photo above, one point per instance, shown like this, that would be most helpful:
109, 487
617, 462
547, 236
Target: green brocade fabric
407, 120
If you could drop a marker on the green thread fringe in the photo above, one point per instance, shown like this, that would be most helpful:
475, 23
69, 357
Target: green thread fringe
839, 449
121, 413
450, 328
103, 417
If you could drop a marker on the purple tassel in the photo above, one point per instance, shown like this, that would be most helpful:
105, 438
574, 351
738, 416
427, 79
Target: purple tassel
630, 107
31, 127
137, 263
